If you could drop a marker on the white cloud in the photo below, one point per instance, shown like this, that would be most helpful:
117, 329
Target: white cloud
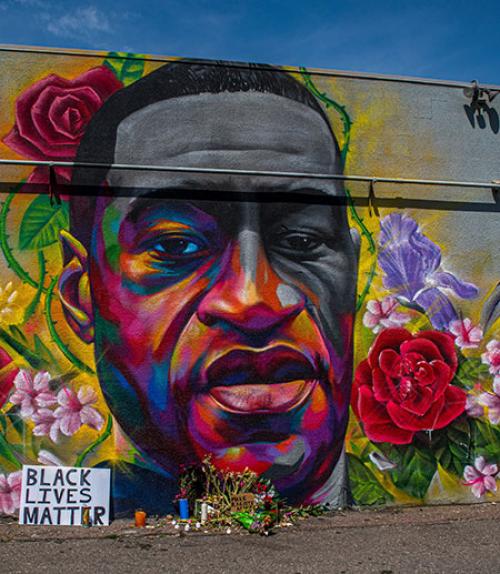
81, 22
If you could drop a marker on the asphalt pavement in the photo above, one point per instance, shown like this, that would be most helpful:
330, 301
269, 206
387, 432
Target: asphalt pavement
444, 539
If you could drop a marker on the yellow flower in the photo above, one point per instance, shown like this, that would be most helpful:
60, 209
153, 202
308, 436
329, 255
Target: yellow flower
10, 312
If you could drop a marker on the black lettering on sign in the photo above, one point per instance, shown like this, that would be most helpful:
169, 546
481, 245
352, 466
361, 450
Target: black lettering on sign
70, 498
58, 494
42, 478
59, 478
68, 475
98, 512
46, 517
83, 477
72, 510
85, 492
30, 515
31, 476
59, 509
45, 496
28, 501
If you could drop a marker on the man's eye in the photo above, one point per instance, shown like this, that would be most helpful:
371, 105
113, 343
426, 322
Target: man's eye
177, 248
299, 242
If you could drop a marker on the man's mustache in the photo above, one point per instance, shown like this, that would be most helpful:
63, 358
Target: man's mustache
274, 365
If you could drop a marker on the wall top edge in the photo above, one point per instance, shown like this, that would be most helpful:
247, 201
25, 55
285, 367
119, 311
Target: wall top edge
314, 71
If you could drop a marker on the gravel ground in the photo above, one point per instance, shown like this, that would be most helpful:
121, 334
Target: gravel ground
447, 539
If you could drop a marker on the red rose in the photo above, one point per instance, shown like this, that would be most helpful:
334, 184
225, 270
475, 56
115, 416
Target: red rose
8, 372
51, 117
404, 385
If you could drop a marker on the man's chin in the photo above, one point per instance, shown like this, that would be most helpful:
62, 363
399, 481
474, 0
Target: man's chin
290, 464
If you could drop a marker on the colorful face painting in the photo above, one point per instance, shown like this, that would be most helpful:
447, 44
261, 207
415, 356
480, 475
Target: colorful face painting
338, 338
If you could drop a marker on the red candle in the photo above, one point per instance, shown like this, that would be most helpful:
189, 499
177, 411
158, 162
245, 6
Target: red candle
140, 518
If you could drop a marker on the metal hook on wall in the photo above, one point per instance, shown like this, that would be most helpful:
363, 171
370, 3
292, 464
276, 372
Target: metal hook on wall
372, 207
53, 191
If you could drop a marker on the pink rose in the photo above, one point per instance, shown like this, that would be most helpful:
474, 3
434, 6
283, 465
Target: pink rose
51, 117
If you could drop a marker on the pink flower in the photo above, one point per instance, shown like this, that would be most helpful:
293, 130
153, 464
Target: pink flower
467, 336
473, 407
492, 401
75, 410
383, 314
492, 357
32, 393
481, 477
10, 492
46, 423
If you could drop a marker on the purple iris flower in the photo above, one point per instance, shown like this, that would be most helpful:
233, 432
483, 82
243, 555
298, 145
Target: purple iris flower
411, 265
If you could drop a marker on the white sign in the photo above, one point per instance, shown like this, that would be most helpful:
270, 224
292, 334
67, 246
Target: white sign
58, 495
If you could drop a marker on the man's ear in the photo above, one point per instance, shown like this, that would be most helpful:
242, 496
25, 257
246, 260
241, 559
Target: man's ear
74, 289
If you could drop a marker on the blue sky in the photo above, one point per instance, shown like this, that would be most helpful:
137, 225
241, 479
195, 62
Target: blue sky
453, 39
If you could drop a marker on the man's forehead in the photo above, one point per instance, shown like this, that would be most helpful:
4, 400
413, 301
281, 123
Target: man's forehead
241, 131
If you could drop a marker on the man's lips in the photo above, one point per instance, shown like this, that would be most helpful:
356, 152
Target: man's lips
271, 381
261, 399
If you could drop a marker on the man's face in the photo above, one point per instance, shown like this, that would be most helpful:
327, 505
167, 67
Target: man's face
223, 322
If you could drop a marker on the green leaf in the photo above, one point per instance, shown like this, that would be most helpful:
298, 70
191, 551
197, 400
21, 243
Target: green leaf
415, 471
365, 488
452, 446
17, 422
469, 372
486, 440
42, 223
43, 352
7, 453
16, 332
126, 66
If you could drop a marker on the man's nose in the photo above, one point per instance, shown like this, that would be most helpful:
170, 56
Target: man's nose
248, 294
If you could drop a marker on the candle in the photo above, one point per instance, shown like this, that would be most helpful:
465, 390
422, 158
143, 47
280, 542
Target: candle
86, 516
140, 518
204, 512
184, 508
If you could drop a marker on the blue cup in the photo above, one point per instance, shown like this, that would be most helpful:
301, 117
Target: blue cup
184, 508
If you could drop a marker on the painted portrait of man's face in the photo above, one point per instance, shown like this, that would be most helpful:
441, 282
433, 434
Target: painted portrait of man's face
221, 308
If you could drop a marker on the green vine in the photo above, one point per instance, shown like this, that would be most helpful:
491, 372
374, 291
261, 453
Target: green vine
99, 440
4, 242
329, 103
55, 335
372, 249
36, 299
347, 124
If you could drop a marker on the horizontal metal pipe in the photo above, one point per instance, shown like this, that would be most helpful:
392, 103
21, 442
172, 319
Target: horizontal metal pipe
289, 174
292, 69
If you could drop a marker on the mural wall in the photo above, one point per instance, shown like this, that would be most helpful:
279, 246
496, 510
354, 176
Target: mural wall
339, 338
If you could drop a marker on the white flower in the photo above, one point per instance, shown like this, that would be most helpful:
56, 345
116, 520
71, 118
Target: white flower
383, 315
75, 410
32, 393
467, 336
492, 357
481, 477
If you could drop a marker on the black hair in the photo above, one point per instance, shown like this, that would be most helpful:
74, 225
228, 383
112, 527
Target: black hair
173, 80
